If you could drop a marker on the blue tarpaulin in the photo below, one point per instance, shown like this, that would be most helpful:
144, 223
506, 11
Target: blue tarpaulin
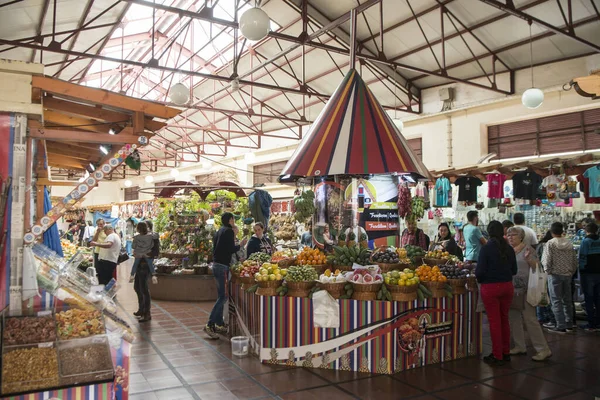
106, 217
51, 236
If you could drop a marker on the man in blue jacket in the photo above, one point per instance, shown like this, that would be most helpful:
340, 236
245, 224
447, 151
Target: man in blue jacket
589, 269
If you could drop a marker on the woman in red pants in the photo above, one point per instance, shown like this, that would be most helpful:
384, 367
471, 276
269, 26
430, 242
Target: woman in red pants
496, 266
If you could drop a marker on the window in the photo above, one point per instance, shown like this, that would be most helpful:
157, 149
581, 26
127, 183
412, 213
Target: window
268, 173
548, 135
131, 193
416, 145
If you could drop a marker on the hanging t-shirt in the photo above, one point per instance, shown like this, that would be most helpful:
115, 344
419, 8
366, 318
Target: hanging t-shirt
496, 185
593, 174
442, 186
467, 188
585, 188
551, 184
526, 184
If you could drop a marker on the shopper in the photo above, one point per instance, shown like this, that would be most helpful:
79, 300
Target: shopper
560, 261
445, 241
81, 225
73, 229
413, 236
129, 233
155, 238
89, 232
589, 272
507, 224
474, 240
306, 239
99, 237
545, 315
108, 255
142, 246
223, 248
521, 311
530, 235
496, 266
259, 242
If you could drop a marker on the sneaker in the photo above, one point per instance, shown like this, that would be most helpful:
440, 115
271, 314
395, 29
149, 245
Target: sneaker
211, 332
589, 328
506, 357
493, 361
572, 328
549, 325
542, 355
517, 352
221, 329
556, 330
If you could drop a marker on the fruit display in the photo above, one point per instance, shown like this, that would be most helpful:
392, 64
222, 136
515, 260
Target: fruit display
351, 239
437, 254
269, 272
417, 207
284, 227
403, 256
29, 330
76, 323
363, 240
69, 249
414, 252
310, 256
284, 254
259, 257
455, 272
305, 205
332, 277
386, 256
365, 276
301, 273
427, 273
343, 255
407, 277
404, 203
249, 269
27, 369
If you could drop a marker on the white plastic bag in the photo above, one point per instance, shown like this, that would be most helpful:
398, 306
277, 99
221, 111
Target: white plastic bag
30, 266
326, 310
536, 289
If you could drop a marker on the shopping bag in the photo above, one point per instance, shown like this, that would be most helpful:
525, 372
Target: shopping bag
326, 310
30, 267
537, 287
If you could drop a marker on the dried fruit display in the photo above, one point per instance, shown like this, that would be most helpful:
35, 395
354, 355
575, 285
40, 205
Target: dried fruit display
404, 203
29, 369
29, 330
85, 363
76, 323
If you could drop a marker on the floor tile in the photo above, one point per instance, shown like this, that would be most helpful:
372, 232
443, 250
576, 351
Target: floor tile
157, 384
209, 388
576, 378
290, 380
578, 396
380, 387
527, 386
335, 376
144, 396
173, 394
328, 392
475, 369
430, 379
475, 391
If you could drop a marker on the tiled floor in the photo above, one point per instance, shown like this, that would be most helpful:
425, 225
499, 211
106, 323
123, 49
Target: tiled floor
173, 360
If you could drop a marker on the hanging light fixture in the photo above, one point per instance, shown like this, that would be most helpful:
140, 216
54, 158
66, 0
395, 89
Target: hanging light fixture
174, 172
149, 179
179, 94
255, 24
533, 97
127, 183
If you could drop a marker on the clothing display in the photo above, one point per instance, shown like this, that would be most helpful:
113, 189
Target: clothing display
585, 188
526, 184
442, 188
593, 174
496, 185
467, 188
551, 184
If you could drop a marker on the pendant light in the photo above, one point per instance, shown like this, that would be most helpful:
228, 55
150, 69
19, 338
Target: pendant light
533, 97
254, 24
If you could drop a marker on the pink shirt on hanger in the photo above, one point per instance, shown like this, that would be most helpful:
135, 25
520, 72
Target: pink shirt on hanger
496, 186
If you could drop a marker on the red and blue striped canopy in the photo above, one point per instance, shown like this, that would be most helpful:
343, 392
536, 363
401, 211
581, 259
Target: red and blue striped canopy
353, 135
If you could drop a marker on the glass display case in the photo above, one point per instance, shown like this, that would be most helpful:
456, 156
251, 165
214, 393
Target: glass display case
85, 361
29, 368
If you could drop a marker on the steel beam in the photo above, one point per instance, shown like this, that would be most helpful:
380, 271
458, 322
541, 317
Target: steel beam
537, 21
58, 135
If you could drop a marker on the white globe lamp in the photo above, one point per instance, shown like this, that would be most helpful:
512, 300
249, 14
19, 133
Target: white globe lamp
179, 94
399, 124
127, 183
532, 98
149, 179
174, 172
254, 24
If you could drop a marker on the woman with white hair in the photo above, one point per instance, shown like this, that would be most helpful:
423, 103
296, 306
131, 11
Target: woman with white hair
523, 313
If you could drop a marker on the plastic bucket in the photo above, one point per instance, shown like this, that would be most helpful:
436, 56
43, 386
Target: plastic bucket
239, 346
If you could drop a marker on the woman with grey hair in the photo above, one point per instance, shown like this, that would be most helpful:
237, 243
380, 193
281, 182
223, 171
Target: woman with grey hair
523, 313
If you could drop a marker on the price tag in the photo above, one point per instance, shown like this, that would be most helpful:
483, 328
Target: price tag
47, 344
44, 313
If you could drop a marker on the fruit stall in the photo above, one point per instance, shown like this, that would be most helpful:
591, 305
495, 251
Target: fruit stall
356, 301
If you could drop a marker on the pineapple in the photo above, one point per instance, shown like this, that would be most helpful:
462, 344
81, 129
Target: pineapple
325, 361
308, 361
342, 239
383, 366
351, 239
364, 365
291, 361
345, 361
363, 241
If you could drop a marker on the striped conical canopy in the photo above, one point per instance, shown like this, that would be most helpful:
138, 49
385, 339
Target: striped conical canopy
353, 135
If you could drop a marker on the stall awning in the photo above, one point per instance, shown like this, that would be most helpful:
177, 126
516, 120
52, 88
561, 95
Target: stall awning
353, 135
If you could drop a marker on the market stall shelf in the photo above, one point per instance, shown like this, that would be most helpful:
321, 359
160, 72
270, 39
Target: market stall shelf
373, 336
184, 288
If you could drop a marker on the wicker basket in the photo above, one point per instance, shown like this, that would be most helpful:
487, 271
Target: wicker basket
286, 262
458, 285
402, 293
432, 262
437, 289
364, 296
300, 289
268, 288
246, 281
471, 284
342, 268
335, 289
367, 287
389, 267
320, 268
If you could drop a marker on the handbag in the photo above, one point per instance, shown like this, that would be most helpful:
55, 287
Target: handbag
518, 300
123, 256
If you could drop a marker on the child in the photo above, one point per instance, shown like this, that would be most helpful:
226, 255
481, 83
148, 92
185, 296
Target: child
142, 246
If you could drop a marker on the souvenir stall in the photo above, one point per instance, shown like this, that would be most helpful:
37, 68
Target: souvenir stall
356, 302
